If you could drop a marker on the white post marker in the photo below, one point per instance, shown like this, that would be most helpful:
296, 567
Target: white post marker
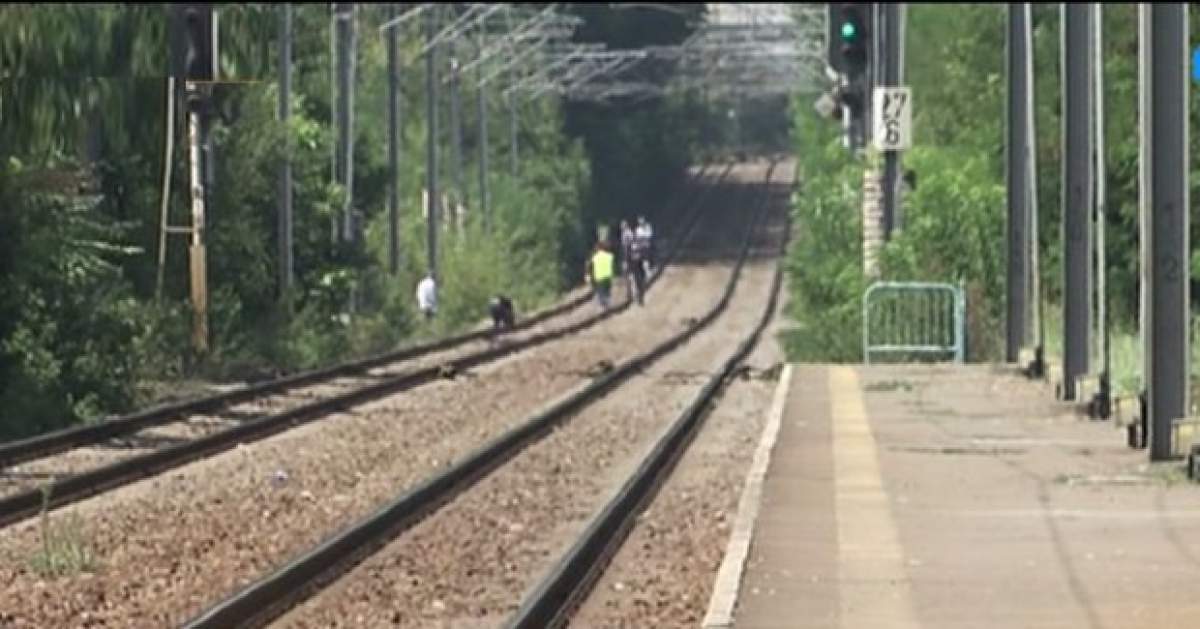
892, 110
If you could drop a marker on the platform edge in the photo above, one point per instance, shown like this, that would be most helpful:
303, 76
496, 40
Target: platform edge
729, 575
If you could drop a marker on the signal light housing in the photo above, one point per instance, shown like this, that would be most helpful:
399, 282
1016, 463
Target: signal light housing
192, 48
850, 26
855, 36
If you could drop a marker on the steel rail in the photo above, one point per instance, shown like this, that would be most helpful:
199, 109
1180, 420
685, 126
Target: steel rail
274, 594
39, 446
569, 582
79, 486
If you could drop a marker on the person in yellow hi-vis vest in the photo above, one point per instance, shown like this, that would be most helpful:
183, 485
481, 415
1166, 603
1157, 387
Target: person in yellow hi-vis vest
600, 273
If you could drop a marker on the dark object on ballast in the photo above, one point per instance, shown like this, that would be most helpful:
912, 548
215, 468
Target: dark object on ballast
503, 315
599, 369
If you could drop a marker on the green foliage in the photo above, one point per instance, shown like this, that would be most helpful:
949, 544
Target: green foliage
954, 221
72, 335
82, 96
824, 265
65, 549
952, 224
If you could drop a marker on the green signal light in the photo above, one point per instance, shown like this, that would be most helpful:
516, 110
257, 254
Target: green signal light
848, 30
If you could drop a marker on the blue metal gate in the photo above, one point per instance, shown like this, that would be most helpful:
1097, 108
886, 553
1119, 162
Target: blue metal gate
906, 318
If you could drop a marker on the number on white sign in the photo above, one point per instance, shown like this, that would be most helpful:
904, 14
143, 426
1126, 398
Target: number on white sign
893, 118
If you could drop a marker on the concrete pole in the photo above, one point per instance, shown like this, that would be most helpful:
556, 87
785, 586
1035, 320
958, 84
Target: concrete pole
892, 62
1103, 409
286, 271
431, 156
393, 99
456, 152
1036, 310
481, 94
1018, 174
1078, 191
1164, 28
198, 99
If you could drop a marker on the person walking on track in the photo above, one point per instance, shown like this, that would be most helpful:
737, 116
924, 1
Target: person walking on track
635, 279
635, 267
599, 273
427, 296
644, 238
503, 316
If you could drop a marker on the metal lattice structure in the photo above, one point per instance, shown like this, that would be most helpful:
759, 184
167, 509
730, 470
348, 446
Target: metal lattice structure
747, 50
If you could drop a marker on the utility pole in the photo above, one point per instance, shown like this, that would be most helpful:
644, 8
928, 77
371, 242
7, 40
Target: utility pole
1102, 403
345, 140
198, 134
431, 165
1164, 156
456, 154
393, 69
1018, 149
200, 72
512, 131
286, 271
481, 94
1078, 191
168, 160
892, 66
874, 77
1036, 305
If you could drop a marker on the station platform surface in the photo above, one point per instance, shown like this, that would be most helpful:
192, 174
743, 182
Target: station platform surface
965, 497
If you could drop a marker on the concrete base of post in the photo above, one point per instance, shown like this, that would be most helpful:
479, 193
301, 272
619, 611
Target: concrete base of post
1125, 410
1193, 462
1033, 363
1054, 374
1184, 434
1086, 388
1025, 356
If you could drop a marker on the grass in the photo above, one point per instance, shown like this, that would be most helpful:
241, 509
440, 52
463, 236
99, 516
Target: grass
1125, 355
65, 549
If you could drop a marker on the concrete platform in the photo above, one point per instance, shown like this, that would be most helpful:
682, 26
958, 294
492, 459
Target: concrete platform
964, 497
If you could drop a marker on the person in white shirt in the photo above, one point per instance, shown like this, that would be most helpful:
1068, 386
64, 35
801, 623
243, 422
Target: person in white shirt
427, 296
644, 236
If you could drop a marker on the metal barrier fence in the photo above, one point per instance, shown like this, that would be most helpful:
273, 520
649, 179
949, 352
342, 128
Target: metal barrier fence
914, 318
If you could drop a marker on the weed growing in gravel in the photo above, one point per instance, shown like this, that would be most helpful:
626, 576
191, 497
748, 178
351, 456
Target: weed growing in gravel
65, 549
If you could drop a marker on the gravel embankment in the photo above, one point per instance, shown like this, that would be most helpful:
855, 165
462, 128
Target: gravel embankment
664, 573
469, 564
31, 474
168, 547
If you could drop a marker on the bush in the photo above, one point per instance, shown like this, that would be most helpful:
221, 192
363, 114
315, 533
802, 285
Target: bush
954, 231
824, 263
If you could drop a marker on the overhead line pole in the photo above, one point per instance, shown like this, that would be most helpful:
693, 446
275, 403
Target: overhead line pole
1078, 192
1164, 29
1018, 183
481, 94
393, 100
431, 174
1101, 407
286, 271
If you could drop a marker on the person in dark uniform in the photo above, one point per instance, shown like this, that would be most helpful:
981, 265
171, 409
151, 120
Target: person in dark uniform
503, 316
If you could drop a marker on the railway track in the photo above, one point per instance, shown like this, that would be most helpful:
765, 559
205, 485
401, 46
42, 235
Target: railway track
560, 593
298, 579
107, 452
